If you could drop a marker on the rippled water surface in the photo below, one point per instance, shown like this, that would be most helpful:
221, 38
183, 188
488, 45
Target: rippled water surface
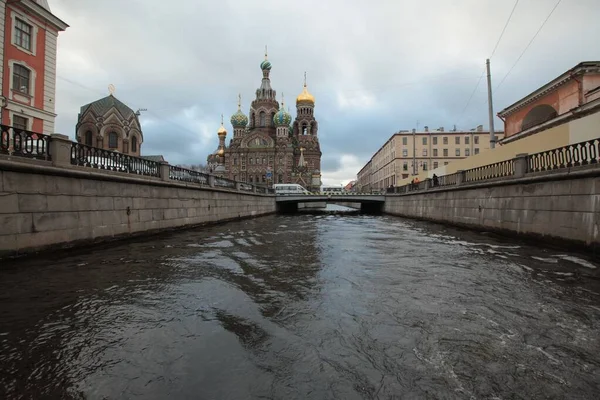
303, 307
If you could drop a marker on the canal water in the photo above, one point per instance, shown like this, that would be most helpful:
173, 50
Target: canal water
303, 307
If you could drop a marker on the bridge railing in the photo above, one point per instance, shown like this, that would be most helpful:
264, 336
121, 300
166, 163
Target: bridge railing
61, 152
566, 157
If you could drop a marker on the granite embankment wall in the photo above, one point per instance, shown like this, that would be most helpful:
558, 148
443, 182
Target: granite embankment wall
563, 205
42, 205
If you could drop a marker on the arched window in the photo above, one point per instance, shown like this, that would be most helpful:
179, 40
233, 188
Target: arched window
538, 115
251, 179
304, 129
133, 144
88, 138
271, 122
263, 118
113, 140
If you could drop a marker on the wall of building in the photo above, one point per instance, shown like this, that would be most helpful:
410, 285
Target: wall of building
561, 205
574, 131
43, 206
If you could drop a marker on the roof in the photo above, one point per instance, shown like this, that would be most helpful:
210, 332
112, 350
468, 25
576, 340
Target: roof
43, 3
581, 68
157, 158
101, 107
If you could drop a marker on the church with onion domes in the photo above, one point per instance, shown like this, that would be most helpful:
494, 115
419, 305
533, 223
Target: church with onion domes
267, 147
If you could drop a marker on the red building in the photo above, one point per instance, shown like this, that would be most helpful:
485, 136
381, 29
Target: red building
28, 36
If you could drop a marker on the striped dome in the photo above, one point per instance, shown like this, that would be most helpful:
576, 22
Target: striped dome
282, 117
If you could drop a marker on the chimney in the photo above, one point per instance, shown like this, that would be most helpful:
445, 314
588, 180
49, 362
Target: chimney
414, 130
426, 128
479, 128
441, 129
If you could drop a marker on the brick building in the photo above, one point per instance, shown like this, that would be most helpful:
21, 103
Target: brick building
267, 147
28, 37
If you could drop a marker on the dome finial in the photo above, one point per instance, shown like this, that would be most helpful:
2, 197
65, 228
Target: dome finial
221, 119
282, 101
239, 101
304, 78
266, 52
222, 130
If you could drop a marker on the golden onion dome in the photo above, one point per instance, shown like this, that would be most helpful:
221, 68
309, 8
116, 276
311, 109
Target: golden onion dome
221, 152
305, 97
222, 131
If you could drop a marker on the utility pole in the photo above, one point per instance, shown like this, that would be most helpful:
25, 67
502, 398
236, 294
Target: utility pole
490, 105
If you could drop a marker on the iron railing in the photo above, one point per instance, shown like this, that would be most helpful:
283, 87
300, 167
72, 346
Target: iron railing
188, 175
224, 182
93, 157
573, 155
491, 171
22, 143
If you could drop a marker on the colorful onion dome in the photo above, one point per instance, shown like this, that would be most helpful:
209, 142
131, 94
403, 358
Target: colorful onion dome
239, 119
282, 117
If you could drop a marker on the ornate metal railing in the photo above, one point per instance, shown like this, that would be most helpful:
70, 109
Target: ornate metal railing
573, 155
491, 171
224, 182
93, 157
246, 187
22, 143
188, 175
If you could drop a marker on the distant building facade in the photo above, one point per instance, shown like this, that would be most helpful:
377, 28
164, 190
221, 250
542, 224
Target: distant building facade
572, 95
109, 124
28, 38
267, 147
408, 154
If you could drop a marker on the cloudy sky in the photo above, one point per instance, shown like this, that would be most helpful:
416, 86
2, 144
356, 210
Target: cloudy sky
375, 67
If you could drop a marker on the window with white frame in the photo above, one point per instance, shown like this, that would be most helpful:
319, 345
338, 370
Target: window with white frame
23, 34
21, 78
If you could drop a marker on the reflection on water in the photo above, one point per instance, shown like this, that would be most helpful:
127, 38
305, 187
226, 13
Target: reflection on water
303, 307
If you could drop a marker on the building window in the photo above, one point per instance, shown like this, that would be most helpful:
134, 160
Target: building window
476, 150
476, 139
262, 118
22, 34
435, 152
21, 78
424, 166
405, 166
404, 141
304, 129
467, 140
404, 153
457, 140
113, 140
251, 160
19, 122
445, 152
88, 138
133, 144
235, 161
279, 178
445, 139
457, 152
251, 179
264, 161
435, 164
264, 178
424, 141
446, 163
435, 140
467, 152
424, 152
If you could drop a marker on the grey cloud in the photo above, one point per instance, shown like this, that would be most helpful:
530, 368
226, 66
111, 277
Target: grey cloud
397, 62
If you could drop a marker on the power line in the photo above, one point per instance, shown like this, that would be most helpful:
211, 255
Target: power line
528, 44
483, 73
504, 29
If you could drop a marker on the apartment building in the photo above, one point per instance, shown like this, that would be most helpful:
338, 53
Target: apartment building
28, 38
408, 153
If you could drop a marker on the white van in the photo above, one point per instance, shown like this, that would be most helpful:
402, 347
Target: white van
289, 189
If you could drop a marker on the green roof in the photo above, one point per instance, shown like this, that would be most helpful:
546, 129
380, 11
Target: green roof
100, 107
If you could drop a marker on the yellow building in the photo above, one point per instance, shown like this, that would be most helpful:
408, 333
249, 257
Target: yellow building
408, 154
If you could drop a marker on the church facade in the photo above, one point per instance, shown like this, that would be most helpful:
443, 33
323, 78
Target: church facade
267, 147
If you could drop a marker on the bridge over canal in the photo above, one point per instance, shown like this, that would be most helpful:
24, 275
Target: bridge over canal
369, 203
